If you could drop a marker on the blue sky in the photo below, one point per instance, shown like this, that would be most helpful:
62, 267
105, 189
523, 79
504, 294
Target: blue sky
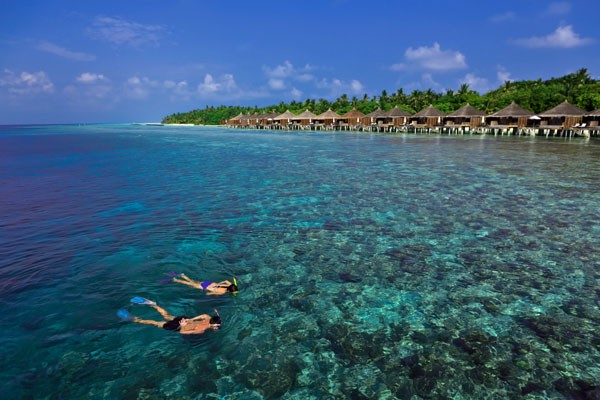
72, 61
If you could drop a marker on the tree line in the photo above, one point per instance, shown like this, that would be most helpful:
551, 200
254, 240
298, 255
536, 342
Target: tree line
579, 88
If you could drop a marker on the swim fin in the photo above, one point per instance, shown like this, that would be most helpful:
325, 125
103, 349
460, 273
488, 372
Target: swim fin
124, 315
141, 300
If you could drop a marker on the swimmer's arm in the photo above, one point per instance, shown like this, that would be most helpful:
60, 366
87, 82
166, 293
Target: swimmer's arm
201, 317
224, 283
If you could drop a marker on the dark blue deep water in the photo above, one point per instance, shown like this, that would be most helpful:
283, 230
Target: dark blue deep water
369, 266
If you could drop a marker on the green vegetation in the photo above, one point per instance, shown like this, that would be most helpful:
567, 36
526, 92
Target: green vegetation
578, 88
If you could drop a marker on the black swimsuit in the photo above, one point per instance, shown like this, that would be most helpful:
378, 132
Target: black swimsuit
174, 324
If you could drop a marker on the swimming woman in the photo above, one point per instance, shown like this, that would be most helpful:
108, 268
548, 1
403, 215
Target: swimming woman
211, 288
181, 324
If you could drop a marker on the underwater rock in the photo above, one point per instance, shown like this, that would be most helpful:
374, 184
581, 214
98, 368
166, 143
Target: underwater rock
348, 277
301, 303
72, 364
272, 376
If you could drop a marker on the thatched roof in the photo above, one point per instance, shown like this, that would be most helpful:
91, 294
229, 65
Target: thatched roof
564, 109
430, 111
466, 111
237, 117
286, 115
396, 113
512, 110
377, 113
305, 115
329, 114
595, 113
270, 115
354, 113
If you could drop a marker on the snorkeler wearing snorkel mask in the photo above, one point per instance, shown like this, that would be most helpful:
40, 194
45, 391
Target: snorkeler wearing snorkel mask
211, 288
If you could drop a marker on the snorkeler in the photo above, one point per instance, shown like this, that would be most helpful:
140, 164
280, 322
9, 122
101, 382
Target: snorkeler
211, 288
181, 324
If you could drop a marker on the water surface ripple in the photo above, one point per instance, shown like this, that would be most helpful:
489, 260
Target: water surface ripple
370, 266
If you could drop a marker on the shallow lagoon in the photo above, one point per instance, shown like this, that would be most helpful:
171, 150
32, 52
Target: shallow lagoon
370, 266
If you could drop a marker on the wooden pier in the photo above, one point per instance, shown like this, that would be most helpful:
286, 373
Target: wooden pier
564, 120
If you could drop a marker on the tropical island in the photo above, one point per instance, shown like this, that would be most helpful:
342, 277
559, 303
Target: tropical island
578, 88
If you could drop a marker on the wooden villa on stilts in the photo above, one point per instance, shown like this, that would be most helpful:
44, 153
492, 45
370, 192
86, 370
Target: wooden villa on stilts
392, 120
511, 119
327, 120
561, 119
369, 121
464, 119
304, 120
427, 120
283, 121
351, 120
590, 125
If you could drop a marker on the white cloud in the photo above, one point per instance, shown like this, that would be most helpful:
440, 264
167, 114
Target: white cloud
62, 52
223, 86
26, 83
356, 86
295, 93
562, 37
504, 17
279, 75
559, 8
431, 58
208, 85
429, 81
476, 83
89, 78
284, 70
503, 75
276, 84
122, 32
336, 86
140, 88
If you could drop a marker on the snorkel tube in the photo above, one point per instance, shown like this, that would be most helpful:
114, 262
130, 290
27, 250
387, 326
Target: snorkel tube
217, 326
236, 287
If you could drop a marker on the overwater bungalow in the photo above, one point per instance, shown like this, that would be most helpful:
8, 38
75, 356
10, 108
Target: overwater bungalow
266, 120
394, 118
351, 119
466, 116
235, 120
427, 117
303, 120
592, 118
328, 119
369, 120
283, 121
511, 116
563, 116
590, 125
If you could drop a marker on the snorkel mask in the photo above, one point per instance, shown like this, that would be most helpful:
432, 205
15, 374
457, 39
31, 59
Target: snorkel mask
217, 326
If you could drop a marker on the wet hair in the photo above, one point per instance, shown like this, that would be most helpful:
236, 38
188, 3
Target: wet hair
232, 288
215, 320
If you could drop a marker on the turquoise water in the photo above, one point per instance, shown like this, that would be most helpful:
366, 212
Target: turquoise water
370, 266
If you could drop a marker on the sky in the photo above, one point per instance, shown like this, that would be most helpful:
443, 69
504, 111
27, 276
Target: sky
73, 61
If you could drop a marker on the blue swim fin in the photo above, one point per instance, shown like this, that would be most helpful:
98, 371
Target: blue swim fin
124, 315
141, 300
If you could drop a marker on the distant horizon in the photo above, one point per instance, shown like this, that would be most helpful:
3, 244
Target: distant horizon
140, 61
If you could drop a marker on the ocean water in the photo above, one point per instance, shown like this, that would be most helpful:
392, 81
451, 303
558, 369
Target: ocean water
369, 266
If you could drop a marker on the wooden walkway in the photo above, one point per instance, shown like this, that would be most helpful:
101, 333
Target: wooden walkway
496, 130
